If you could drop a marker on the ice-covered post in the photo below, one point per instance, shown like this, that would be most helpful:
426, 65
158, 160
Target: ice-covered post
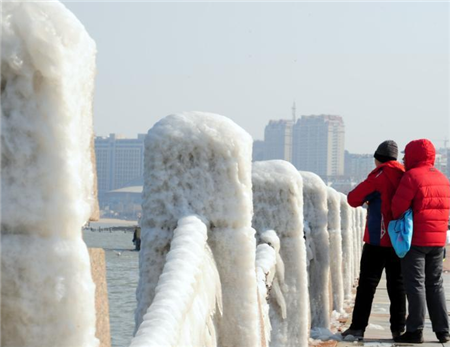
316, 216
334, 230
47, 180
356, 241
361, 224
200, 164
278, 205
347, 247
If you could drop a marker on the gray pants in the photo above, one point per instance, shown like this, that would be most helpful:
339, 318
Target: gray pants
422, 276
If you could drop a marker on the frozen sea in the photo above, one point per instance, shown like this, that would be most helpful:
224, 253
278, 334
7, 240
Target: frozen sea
122, 275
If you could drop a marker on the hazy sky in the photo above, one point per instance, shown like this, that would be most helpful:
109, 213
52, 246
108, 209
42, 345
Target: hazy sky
382, 66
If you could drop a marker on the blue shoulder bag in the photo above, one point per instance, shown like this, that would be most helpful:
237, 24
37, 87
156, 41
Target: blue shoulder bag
400, 232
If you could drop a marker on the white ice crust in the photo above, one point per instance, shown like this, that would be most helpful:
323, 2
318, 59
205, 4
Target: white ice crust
186, 295
48, 70
278, 206
47, 82
200, 163
347, 247
266, 269
334, 230
316, 217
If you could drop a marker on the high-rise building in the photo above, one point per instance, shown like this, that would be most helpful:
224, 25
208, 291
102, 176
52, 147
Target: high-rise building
358, 166
258, 150
278, 140
318, 145
120, 161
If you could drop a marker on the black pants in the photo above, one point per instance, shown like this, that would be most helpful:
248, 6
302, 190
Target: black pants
422, 270
373, 260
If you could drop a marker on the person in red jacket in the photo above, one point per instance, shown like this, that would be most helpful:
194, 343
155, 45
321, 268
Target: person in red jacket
427, 191
377, 191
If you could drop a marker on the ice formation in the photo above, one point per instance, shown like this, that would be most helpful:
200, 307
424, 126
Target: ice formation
278, 207
334, 230
347, 247
47, 181
362, 212
359, 224
267, 255
186, 295
316, 215
355, 232
200, 164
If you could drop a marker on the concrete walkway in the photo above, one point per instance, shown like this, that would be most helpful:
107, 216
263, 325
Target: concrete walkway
378, 332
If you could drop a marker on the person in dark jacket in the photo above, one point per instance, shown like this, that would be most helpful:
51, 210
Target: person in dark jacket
377, 191
427, 191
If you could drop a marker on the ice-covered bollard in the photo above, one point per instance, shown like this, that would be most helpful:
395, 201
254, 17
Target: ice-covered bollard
356, 241
47, 180
356, 258
199, 163
361, 212
334, 230
316, 216
348, 254
278, 205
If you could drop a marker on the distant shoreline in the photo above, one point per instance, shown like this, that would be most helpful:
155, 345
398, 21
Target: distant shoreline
112, 222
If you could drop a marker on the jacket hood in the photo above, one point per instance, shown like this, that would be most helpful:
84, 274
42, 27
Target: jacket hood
392, 169
392, 164
419, 153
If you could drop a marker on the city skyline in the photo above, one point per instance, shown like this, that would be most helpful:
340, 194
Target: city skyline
383, 67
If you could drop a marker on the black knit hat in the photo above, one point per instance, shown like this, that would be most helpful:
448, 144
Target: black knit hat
386, 151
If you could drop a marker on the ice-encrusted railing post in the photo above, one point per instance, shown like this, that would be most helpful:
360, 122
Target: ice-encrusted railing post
316, 216
348, 254
200, 164
361, 225
334, 230
278, 208
355, 232
47, 179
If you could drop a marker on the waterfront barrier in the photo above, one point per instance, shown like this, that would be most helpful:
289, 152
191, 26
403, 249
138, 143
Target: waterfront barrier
280, 277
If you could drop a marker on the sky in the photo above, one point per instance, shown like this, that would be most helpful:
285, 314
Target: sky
382, 66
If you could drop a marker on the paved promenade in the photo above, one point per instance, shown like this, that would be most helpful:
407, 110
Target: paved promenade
378, 332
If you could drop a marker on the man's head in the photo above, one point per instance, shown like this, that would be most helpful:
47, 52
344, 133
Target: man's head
386, 151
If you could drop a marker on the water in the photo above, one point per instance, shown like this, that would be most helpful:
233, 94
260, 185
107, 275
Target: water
122, 275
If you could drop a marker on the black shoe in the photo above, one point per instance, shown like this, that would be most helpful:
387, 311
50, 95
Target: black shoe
411, 337
397, 333
356, 333
443, 336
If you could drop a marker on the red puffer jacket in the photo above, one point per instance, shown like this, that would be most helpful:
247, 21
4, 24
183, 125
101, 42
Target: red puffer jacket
377, 190
427, 191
